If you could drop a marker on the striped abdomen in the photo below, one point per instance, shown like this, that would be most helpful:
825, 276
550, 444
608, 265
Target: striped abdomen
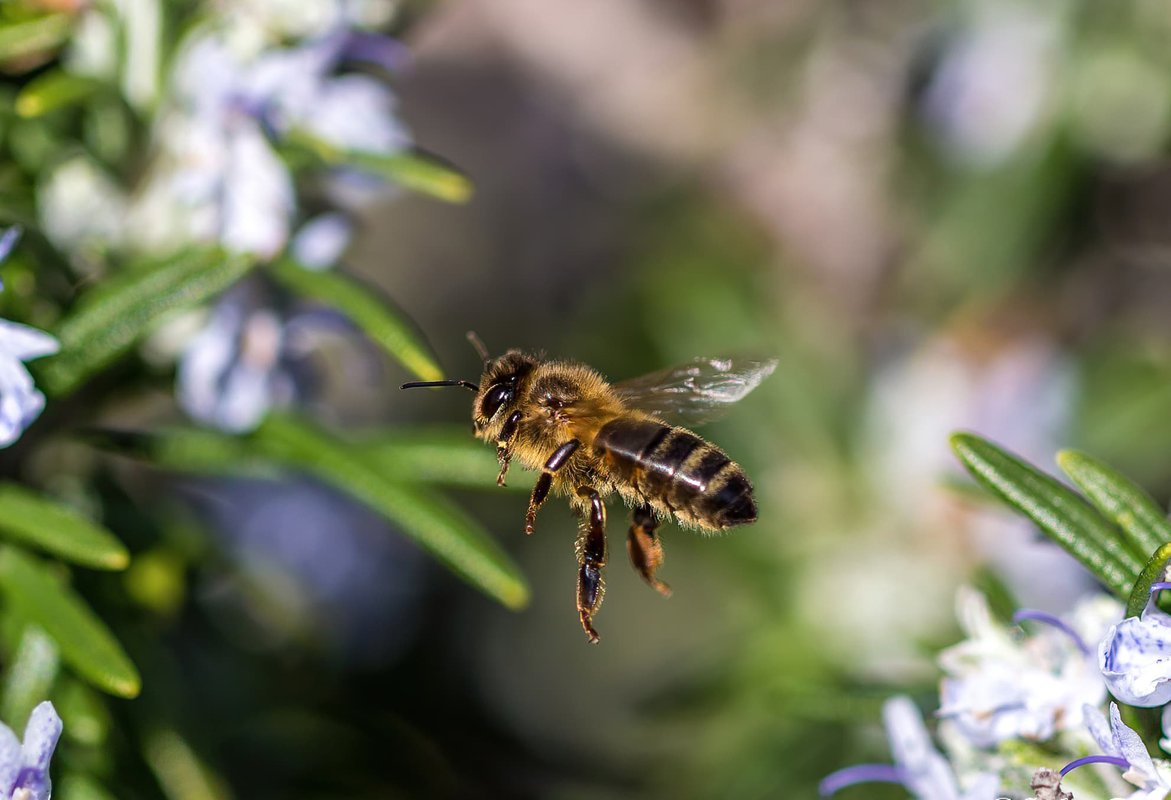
673, 467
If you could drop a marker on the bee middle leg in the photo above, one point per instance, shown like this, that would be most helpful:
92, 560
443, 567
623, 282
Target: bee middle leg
645, 547
545, 482
591, 557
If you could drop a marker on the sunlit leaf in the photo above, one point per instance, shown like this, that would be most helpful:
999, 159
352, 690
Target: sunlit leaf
31, 37
53, 90
124, 309
1120, 499
411, 168
1155, 570
86, 645
180, 772
377, 317
435, 522
29, 676
31, 519
1059, 512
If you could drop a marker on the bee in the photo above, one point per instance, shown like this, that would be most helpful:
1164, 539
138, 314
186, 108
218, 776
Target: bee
591, 439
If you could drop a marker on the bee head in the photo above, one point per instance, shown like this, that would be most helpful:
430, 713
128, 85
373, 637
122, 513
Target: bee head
498, 390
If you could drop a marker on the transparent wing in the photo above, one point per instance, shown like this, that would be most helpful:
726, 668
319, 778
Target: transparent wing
697, 391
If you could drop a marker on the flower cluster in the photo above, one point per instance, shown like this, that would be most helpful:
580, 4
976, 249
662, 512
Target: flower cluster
1003, 691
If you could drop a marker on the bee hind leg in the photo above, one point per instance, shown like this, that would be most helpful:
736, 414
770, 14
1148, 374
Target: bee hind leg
645, 548
545, 482
591, 557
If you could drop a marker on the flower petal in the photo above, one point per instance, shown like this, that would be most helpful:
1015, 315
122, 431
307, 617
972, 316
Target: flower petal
40, 740
1099, 728
1135, 659
926, 772
8, 241
1130, 745
320, 242
25, 343
10, 758
20, 402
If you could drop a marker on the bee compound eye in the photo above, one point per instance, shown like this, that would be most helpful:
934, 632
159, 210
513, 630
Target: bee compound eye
496, 397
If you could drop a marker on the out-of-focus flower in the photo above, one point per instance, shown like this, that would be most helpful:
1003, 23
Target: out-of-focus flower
80, 206
321, 241
998, 687
235, 370
218, 177
993, 87
24, 767
1135, 656
918, 765
20, 402
1123, 747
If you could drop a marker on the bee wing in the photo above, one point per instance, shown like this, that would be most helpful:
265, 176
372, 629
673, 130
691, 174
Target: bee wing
697, 391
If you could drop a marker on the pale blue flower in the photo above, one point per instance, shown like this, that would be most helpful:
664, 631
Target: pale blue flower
1124, 748
1001, 686
320, 242
24, 767
20, 401
1135, 656
234, 371
918, 766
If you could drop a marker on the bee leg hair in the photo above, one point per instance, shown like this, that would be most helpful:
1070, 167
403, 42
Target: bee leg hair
645, 548
504, 445
591, 557
545, 482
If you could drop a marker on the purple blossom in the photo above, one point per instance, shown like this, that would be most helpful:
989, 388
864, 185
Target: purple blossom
24, 767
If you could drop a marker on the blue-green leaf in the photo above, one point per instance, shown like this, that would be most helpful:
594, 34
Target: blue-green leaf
1120, 499
1155, 570
435, 522
377, 317
1058, 511
28, 518
86, 645
113, 317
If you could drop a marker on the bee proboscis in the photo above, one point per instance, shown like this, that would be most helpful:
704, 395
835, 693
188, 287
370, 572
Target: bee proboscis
591, 439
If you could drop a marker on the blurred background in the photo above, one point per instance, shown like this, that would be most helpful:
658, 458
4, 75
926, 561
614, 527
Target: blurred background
936, 216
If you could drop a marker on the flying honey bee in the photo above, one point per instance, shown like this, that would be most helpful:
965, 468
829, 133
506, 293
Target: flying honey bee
591, 439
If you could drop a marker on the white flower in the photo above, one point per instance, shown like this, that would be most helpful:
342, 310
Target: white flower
20, 402
918, 765
1000, 687
1135, 656
24, 768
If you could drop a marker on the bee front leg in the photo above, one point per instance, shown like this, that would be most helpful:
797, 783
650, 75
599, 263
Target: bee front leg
545, 482
645, 547
591, 557
504, 445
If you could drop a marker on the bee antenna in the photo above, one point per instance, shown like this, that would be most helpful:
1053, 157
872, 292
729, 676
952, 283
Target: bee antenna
479, 345
429, 384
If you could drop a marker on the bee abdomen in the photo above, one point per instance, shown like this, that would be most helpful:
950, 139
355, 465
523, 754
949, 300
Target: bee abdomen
676, 468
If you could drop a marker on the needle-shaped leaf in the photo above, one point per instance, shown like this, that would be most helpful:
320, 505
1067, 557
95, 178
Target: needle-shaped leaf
30, 519
124, 309
377, 317
85, 643
28, 676
1155, 570
53, 90
410, 168
1058, 511
447, 455
1120, 499
30, 37
436, 523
